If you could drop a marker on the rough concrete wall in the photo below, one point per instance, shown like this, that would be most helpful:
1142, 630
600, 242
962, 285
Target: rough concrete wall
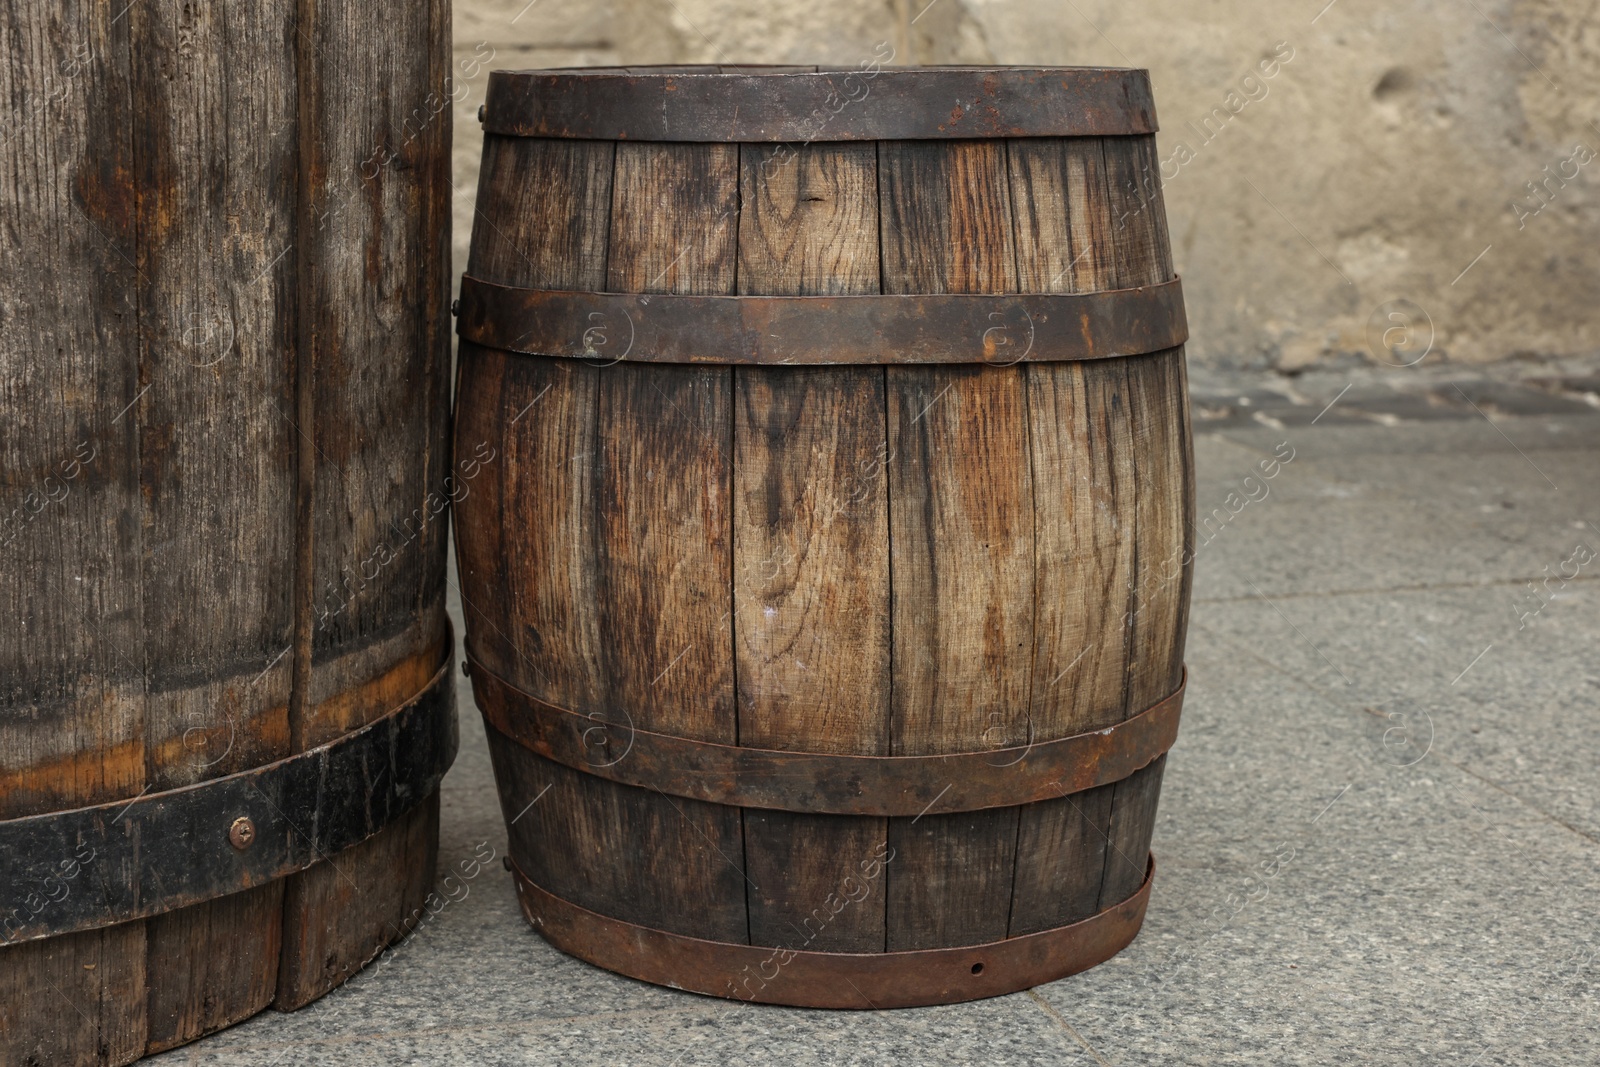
1412, 172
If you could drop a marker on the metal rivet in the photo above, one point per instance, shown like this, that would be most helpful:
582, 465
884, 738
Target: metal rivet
455, 307
242, 833
505, 861
483, 109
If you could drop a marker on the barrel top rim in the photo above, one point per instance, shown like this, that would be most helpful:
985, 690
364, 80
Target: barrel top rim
801, 70
803, 103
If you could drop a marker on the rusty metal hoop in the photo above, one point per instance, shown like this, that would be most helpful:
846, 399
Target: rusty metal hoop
792, 105
227, 834
825, 783
999, 330
803, 978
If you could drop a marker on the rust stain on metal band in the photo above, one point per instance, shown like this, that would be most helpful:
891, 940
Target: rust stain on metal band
997, 330
611, 747
801, 978
789, 106
162, 851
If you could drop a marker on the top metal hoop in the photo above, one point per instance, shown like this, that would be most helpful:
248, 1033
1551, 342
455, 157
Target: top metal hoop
787, 105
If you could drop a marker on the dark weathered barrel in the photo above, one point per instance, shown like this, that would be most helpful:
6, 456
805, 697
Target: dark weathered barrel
224, 358
827, 606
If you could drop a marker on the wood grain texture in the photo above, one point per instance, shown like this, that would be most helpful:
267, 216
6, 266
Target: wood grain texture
663, 519
77, 999
71, 664
480, 433
72, 682
674, 219
552, 625
544, 225
342, 911
809, 222
1085, 456
1160, 606
214, 964
961, 538
1061, 860
551, 205
72, 675
1132, 823
616, 849
379, 275
216, 314
921, 559
662, 527
375, 286
1138, 217
1085, 453
1158, 405
359, 900
810, 505
616, 513
148, 372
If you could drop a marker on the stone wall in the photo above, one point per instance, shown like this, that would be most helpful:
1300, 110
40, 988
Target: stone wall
1373, 172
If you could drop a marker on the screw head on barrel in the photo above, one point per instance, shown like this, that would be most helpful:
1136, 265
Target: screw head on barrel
242, 833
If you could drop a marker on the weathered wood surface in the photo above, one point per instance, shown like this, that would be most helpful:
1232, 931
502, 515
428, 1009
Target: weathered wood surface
70, 516
662, 515
918, 559
149, 481
961, 536
218, 495
810, 505
373, 262
1084, 452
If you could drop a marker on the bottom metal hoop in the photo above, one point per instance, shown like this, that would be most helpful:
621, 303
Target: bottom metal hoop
801, 978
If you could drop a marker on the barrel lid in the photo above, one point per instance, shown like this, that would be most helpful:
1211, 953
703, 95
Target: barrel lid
866, 102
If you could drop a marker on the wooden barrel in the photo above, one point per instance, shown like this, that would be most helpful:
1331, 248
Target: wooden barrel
224, 360
827, 606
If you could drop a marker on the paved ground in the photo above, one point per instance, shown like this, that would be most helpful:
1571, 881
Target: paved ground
1381, 713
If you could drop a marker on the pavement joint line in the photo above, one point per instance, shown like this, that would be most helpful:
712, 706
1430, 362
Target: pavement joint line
1297, 630
1050, 1010
1270, 665
1383, 590
1508, 440
1329, 699
503, 1025
1585, 835
1367, 429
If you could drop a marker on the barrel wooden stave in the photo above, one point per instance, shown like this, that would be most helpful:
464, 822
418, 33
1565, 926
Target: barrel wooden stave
155, 237
904, 578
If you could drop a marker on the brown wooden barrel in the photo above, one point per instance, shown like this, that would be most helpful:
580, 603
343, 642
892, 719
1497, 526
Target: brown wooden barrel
224, 358
827, 606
